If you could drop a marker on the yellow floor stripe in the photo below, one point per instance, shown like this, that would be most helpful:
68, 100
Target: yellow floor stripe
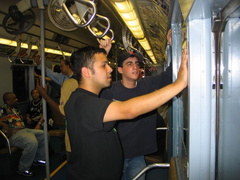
56, 170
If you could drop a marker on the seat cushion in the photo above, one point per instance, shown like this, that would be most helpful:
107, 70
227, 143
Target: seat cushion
58, 133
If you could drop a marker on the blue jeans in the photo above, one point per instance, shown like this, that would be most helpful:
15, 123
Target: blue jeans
132, 167
32, 143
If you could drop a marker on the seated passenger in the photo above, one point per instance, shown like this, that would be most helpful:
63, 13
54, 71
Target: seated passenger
34, 114
30, 140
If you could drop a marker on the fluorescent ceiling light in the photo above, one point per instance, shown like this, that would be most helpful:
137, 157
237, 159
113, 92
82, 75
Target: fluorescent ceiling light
34, 47
124, 6
150, 54
129, 16
144, 43
133, 23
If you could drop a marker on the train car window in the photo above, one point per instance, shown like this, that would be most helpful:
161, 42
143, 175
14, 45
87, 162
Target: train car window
20, 82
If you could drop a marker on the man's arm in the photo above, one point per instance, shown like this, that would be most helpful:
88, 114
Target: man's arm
38, 126
140, 105
67, 88
28, 119
56, 77
48, 99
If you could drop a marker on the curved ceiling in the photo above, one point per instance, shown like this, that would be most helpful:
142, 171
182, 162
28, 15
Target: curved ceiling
154, 16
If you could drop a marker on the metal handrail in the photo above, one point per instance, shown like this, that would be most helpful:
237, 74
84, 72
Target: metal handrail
162, 128
151, 166
8, 143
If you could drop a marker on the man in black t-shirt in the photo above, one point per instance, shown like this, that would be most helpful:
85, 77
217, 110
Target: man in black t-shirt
96, 151
138, 136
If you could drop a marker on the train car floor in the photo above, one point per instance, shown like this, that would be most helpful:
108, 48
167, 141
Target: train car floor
58, 170
56, 161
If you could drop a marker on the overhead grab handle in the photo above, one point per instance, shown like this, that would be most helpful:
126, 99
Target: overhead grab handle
29, 42
111, 38
29, 49
37, 43
112, 34
95, 27
60, 49
82, 14
16, 51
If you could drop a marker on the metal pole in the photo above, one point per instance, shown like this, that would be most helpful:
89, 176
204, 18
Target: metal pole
46, 137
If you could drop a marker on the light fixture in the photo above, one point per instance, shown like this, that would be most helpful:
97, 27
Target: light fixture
129, 16
144, 43
150, 54
131, 19
34, 47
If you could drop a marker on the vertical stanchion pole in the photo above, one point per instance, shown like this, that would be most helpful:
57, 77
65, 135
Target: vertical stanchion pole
46, 137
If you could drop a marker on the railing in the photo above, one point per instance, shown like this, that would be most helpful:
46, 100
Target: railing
151, 166
8, 143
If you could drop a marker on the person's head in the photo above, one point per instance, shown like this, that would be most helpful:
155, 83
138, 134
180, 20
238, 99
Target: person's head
10, 99
37, 59
91, 62
128, 65
57, 68
66, 67
35, 94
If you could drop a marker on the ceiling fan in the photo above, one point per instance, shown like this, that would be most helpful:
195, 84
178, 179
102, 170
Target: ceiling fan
20, 17
17, 22
58, 16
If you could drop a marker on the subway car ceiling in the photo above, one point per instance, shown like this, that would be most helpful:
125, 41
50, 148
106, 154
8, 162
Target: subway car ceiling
154, 17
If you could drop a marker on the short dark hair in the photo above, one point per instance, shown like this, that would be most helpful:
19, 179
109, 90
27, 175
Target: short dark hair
84, 57
57, 68
67, 62
6, 96
40, 96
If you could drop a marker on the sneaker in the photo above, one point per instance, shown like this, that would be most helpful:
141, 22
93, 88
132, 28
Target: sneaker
25, 173
39, 163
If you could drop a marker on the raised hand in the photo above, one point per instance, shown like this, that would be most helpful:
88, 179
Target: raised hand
105, 44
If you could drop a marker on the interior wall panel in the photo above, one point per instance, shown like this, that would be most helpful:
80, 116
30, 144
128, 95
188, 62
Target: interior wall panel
229, 143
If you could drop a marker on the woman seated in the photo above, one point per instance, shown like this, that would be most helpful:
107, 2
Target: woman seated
34, 114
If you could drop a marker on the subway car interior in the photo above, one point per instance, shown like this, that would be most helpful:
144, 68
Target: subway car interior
198, 135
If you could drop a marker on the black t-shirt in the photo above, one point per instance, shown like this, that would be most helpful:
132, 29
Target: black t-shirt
138, 136
96, 150
35, 112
